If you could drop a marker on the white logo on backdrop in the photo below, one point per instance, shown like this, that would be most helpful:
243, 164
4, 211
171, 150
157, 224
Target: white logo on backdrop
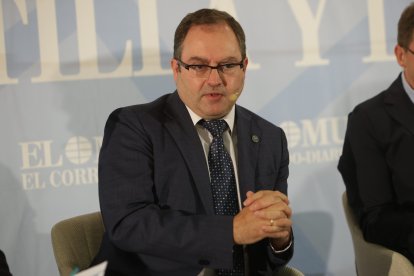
315, 141
46, 164
78, 150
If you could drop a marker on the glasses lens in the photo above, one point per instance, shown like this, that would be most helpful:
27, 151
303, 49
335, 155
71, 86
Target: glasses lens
200, 71
230, 69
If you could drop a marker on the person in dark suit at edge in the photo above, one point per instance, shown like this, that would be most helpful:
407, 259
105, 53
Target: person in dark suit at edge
377, 162
4, 267
155, 193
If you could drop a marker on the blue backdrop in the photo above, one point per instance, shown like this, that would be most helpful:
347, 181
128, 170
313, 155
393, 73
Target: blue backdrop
65, 65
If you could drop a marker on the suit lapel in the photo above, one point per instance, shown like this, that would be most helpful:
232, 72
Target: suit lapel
247, 151
182, 130
399, 105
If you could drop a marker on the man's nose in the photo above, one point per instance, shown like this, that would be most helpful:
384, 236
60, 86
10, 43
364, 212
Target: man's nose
215, 77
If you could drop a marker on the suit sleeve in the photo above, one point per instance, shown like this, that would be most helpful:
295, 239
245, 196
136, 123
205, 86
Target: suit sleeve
133, 219
279, 259
281, 162
382, 221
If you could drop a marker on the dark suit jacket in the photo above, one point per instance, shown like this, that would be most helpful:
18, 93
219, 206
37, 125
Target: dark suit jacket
377, 165
4, 267
155, 191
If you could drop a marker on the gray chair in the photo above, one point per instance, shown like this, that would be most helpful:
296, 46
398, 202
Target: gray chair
76, 241
373, 259
289, 271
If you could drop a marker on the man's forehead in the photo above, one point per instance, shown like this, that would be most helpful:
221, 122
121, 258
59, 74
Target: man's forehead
228, 48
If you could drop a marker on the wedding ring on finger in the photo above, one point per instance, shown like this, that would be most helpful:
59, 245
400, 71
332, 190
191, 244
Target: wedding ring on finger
272, 222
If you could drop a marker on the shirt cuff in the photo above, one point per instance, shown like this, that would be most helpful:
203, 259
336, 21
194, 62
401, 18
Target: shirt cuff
280, 251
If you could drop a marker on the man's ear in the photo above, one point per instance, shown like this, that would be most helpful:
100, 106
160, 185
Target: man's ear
175, 67
245, 62
400, 54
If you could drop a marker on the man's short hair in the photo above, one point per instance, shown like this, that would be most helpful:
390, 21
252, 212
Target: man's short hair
207, 17
406, 27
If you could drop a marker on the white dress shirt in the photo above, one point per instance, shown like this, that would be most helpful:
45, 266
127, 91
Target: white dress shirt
407, 87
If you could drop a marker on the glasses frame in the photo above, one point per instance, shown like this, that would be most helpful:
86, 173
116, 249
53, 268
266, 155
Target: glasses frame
219, 67
409, 50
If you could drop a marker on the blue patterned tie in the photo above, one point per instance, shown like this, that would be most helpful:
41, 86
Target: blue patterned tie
223, 186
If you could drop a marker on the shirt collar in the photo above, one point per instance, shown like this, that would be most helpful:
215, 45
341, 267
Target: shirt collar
407, 87
229, 118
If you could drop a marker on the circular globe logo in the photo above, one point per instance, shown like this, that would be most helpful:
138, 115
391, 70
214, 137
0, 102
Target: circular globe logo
292, 133
78, 150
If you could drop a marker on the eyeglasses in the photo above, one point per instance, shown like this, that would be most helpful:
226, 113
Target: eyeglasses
204, 71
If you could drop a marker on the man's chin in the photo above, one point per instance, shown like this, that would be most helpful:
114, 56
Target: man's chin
215, 115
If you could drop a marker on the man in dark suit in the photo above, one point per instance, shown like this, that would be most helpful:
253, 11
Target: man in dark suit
154, 184
377, 163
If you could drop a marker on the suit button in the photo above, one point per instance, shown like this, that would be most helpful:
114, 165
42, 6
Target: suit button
255, 138
203, 262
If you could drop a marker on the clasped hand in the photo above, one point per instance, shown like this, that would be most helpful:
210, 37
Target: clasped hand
266, 214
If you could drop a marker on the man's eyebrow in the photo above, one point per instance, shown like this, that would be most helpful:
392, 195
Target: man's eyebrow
230, 60
200, 60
